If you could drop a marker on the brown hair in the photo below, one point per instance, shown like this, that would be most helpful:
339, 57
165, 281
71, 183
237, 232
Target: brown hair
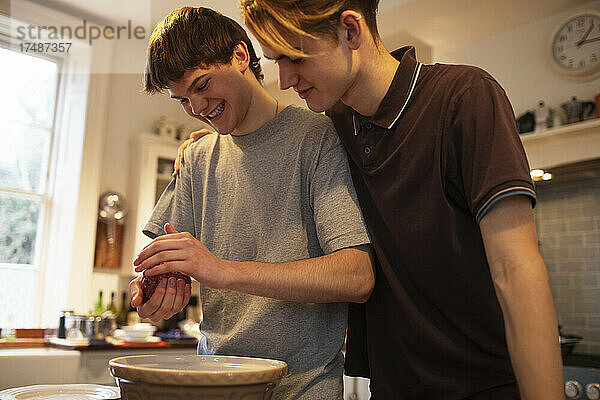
270, 20
190, 38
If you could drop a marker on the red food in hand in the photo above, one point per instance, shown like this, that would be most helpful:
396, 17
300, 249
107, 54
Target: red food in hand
149, 283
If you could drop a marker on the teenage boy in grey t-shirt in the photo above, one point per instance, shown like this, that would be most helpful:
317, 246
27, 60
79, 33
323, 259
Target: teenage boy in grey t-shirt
266, 218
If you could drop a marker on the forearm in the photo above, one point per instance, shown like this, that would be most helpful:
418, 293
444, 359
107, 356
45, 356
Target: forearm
531, 329
345, 275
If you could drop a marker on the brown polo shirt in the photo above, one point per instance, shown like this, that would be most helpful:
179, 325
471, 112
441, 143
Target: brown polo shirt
441, 149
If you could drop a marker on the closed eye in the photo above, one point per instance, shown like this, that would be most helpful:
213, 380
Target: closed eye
292, 60
203, 86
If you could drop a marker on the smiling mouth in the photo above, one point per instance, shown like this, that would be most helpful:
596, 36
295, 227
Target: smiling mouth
217, 111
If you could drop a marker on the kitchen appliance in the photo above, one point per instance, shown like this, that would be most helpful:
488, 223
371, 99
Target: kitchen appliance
526, 122
577, 111
86, 326
112, 211
582, 382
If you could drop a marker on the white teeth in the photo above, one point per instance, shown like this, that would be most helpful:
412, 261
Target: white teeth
218, 110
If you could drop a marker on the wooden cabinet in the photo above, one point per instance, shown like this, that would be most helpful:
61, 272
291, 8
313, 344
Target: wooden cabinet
152, 158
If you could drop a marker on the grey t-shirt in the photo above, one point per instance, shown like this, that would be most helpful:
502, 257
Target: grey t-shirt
281, 193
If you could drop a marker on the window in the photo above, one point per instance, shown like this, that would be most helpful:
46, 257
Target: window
27, 114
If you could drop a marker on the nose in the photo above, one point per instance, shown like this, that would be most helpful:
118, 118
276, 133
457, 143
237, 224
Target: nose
197, 106
288, 77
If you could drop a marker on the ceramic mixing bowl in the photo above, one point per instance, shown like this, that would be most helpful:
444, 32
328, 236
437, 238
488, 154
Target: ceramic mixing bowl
196, 377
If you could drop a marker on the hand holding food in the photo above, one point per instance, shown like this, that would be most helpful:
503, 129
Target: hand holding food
182, 252
149, 283
160, 296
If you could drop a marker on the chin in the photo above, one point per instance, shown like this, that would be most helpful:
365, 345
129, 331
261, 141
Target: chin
318, 108
222, 130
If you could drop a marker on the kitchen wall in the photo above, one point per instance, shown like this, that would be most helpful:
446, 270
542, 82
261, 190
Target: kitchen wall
520, 60
568, 223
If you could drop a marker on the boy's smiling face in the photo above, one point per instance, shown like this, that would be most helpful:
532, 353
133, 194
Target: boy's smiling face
217, 95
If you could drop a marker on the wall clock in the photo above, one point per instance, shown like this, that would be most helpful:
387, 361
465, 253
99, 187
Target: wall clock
576, 45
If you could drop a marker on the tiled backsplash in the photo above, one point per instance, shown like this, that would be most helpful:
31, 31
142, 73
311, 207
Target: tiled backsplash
568, 225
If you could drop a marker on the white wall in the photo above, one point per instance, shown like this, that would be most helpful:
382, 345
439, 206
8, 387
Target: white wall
520, 60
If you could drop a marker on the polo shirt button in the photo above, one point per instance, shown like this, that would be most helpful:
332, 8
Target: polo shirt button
368, 125
367, 150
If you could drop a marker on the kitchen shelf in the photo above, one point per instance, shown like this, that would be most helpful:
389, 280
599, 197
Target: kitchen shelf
563, 145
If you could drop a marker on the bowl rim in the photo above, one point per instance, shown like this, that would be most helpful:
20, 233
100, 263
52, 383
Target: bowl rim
272, 371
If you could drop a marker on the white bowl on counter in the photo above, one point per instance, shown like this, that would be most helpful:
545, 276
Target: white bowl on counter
138, 332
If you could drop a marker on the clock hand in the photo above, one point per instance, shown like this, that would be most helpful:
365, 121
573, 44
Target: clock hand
590, 40
582, 41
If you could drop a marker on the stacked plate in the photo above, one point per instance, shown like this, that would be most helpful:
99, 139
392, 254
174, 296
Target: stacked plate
70, 392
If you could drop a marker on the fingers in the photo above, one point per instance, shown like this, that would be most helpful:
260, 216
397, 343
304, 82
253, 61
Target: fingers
199, 133
180, 156
176, 167
150, 307
162, 243
166, 307
160, 258
171, 266
181, 150
170, 297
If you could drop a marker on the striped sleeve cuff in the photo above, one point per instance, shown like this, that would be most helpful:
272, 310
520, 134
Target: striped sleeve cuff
507, 192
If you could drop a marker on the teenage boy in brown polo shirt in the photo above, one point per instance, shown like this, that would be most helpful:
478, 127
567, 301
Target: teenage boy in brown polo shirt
462, 306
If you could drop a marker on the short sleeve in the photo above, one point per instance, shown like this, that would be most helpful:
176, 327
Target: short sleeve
175, 205
337, 215
486, 159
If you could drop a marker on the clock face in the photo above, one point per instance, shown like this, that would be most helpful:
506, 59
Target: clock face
576, 44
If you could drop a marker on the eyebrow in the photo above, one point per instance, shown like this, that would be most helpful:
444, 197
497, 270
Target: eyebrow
191, 86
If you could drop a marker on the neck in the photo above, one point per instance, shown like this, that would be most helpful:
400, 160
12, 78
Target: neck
262, 109
372, 81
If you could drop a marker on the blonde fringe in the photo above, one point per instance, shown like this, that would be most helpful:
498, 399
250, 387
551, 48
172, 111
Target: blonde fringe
269, 21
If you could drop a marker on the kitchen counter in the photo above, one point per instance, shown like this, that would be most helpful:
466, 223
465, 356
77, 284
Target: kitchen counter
55, 364
116, 345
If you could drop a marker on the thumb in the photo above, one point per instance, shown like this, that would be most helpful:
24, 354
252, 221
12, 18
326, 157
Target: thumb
169, 228
136, 298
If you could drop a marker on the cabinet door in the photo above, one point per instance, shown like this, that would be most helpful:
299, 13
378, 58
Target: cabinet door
152, 160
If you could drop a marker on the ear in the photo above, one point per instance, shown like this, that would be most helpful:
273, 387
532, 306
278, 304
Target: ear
351, 29
241, 57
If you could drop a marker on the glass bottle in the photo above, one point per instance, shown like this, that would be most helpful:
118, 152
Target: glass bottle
122, 315
99, 309
111, 306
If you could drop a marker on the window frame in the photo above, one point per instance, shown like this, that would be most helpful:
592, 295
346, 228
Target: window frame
69, 215
44, 195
